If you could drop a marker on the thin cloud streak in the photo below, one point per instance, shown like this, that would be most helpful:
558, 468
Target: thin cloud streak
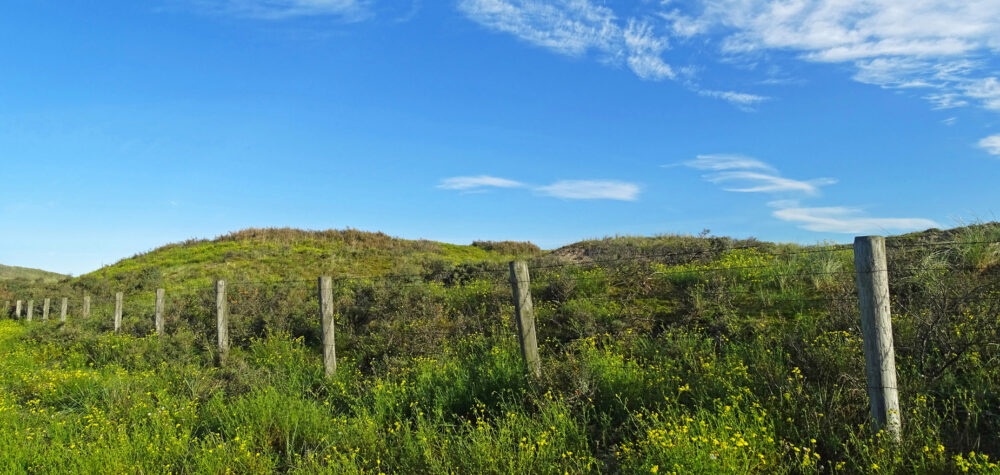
719, 162
477, 182
348, 10
769, 183
565, 189
835, 219
739, 168
838, 219
591, 190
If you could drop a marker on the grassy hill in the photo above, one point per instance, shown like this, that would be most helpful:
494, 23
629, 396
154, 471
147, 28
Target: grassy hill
273, 255
34, 275
669, 354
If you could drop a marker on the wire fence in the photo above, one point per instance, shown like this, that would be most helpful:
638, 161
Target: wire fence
573, 299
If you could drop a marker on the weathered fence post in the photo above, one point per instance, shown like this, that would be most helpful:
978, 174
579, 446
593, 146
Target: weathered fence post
524, 316
18, 311
86, 307
31, 309
62, 309
158, 314
45, 310
222, 315
326, 319
118, 311
876, 329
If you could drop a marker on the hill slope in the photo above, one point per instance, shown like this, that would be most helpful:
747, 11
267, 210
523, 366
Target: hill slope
272, 255
14, 272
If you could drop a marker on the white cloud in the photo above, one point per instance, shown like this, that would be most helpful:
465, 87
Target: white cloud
591, 190
566, 189
645, 50
571, 27
949, 100
283, 9
764, 183
991, 144
838, 219
726, 162
987, 90
741, 169
759, 177
477, 182
580, 27
739, 99
930, 44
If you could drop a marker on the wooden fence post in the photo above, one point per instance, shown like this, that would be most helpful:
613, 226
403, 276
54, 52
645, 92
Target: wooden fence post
31, 309
328, 326
222, 319
158, 313
86, 307
45, 310
18, 311
118, 311
524, 316
62, 310
876, 329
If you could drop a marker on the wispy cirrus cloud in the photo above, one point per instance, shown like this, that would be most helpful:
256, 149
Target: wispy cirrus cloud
765, 183
941, 49
941, 46
752, 176
991, 144
719, 161
477, 183
742, 100
570, 27
348, 10
839, 219
579, 28
565, 189
760, 177
591, 190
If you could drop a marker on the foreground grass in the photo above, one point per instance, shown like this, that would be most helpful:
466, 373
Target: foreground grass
100, 403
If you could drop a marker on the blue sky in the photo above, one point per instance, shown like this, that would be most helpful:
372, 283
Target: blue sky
128, 125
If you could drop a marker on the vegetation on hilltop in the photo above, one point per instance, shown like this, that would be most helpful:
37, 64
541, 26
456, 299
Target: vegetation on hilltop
671, 354
26, 274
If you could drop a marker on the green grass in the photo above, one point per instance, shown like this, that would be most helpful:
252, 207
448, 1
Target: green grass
745, 357
33, 275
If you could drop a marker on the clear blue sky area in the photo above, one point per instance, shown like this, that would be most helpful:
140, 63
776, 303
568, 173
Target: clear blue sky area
128, 125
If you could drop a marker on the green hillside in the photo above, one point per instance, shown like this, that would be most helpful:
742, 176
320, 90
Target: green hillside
666, 354
34, 275
273, 255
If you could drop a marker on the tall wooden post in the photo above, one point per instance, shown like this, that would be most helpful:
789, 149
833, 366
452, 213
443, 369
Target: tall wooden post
31, 309
158, 313
876, 329
524, 316
328, 326
118, 311
222, 319
17, 312
62, 309
86, 307
45, 310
